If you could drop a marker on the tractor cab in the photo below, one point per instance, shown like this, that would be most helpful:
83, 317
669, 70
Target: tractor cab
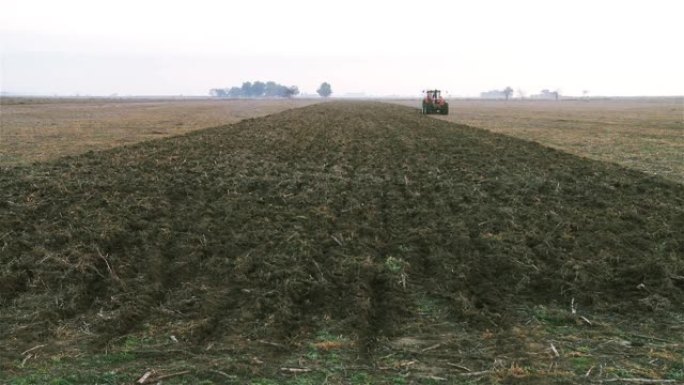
434, 103
433, 95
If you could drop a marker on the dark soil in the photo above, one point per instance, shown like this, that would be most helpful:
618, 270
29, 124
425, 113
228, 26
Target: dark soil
337, 213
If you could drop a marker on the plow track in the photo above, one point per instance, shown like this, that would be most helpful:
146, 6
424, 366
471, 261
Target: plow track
342, 213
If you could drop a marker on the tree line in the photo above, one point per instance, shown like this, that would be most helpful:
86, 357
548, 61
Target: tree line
269, 89
257, 89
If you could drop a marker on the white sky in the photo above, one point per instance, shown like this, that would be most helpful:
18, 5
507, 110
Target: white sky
378, 47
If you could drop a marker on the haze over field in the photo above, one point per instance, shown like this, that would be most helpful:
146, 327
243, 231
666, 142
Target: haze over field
377, 48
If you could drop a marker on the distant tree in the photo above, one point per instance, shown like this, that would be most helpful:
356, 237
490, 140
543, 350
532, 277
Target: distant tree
247, 89
508, 91
324, 90
258, 89
521, 93
218, 92
292, 91
272, 89
235, 92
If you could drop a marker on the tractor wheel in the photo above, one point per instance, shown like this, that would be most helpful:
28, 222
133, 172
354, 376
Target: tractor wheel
445, 110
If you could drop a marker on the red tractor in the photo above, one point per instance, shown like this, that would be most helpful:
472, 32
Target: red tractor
434, 103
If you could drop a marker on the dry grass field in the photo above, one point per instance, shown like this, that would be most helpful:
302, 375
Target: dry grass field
644, 134
44, 129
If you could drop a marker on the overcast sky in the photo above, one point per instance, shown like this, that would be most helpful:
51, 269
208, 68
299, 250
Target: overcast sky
169, 47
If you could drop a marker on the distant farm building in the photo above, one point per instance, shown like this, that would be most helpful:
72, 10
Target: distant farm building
546, 95
493, 94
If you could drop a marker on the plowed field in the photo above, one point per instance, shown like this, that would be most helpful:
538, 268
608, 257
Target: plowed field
411, 248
